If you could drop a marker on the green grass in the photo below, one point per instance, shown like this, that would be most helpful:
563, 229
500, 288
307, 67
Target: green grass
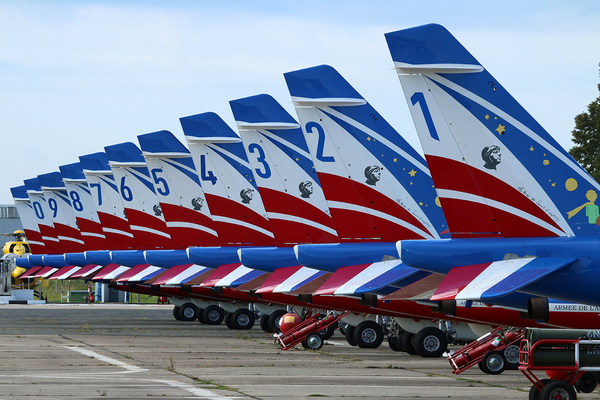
54, 291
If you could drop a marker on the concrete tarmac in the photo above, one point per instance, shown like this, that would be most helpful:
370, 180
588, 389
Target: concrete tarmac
140, 351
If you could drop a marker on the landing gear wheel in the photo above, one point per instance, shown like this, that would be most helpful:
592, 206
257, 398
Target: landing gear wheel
511, 355
493, 363
430, 342
176, 313
229, 320
558, 390
408, 343
368, 335
534, 393
392, 340
587, 383
213, 315
327, 332
264, 322
395, 342
313, 341
350, 335
274, 320
200, 316
342, 327
188, 312
243, 319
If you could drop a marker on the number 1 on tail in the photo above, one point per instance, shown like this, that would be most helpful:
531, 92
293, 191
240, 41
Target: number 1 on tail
419, 98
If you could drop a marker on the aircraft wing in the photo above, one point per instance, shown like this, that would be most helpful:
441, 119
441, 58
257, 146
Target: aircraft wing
65, 272
184, 274
422, 289
86, 272
499, 278
231, 275
365, 278
140, 273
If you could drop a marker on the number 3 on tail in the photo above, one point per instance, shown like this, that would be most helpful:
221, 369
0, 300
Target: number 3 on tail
419, 98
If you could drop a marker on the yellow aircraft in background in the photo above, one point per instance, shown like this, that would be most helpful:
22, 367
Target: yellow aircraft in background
16, 248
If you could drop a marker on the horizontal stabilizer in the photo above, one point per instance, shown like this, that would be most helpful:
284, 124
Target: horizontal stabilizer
499, 278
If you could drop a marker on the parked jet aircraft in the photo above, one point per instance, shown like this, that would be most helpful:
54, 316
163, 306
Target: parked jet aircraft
521, 211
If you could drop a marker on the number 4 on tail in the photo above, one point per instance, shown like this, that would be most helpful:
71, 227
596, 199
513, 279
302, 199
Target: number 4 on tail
418, 97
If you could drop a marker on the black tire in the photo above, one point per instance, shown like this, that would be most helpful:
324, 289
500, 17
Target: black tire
188, 312
511, 355
243, 319
229, 320
264, 323
368, 335
557, 387
408, 343
213, 315
313, 341
176, 313
430, 342
350, 335
200, 316
534, 393
392, 342
274, 320
587, 383
395, 342
493, 363
327, 333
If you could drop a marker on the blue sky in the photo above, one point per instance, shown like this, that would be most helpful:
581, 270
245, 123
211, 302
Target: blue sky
80, 75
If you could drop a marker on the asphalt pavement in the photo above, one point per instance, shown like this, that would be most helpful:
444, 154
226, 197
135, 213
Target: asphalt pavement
140, 351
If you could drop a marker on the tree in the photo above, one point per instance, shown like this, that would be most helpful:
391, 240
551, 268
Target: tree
586, 137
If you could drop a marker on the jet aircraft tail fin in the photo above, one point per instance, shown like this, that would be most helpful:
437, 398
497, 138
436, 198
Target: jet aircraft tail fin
487, 155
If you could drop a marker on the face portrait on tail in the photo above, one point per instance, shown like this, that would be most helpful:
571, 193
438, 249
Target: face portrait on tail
246, 195
197, 203
491, 156
157, 210
306, 189
373, 174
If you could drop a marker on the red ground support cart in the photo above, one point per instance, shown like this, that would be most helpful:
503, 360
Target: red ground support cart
307, 331
493, 352
572, 364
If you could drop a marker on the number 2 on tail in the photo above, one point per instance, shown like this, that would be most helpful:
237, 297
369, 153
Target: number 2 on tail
419, 98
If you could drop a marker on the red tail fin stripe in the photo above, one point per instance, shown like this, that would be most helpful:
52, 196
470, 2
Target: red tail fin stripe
456, 195
382, 215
